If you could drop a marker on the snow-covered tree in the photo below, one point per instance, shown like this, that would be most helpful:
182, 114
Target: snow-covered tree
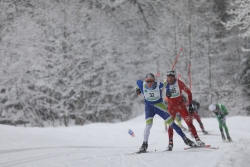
241, 19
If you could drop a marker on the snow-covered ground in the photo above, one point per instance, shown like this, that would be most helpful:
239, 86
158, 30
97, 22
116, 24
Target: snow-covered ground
106, 144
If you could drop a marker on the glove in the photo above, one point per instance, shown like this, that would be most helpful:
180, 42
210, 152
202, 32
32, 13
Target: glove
221, 113
218, 114
138, 91
168, 94
190, 109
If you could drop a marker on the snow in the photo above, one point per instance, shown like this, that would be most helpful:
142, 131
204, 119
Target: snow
107, 144
78, 61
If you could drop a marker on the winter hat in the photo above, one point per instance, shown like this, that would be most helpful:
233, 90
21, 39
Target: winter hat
212, 107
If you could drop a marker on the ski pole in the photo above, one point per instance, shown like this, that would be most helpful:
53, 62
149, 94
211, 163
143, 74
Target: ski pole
176, 58
189, 76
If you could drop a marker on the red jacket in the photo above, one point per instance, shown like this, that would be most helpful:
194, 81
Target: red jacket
176, 90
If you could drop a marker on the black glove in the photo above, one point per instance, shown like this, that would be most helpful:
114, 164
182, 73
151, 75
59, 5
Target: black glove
190, 108
168, 94
138, 91
220, 114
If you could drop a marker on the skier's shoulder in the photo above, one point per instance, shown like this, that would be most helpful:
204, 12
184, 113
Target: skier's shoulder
180, 83
139, 83
220, 105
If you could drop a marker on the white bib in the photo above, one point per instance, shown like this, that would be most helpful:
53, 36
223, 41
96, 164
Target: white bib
175, 90
151, 95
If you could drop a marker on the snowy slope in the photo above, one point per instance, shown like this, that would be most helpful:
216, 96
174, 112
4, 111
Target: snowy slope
106, 144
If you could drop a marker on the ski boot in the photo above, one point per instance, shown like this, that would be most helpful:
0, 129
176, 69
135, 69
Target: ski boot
204, 132
189, 142
199, 142
223, 136
170, 145
144, 147
229, 138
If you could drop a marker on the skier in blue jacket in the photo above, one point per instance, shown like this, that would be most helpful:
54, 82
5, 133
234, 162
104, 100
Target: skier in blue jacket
152, 92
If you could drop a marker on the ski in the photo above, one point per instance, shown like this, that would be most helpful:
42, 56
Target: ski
191, 147
214, 148
153, 151
139, 152
206, 146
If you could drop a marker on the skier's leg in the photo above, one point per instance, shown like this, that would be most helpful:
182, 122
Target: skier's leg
178, 120
188, 119
161, 110
149, 115
166, 125
198, 118
226, 129
149, 124
221, 128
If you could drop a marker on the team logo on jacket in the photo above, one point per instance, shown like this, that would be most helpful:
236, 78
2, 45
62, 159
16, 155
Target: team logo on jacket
188, 118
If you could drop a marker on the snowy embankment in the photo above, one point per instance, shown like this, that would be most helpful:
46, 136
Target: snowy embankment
106, 144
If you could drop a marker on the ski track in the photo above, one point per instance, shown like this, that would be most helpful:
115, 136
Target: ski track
68, 153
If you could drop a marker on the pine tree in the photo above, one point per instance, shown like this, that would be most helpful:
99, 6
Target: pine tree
240, 14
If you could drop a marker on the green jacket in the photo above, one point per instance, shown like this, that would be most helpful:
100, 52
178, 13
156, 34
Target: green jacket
222, 111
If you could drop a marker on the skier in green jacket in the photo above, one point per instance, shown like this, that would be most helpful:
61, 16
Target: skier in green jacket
220, 112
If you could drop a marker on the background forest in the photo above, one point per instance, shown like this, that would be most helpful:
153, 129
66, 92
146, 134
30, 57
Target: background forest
77, 61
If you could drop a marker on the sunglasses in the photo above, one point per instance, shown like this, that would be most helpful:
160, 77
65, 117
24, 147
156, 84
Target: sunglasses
149, 81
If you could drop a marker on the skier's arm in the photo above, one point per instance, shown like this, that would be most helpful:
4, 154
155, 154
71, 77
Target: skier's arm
139, 86
224, 109
183, 87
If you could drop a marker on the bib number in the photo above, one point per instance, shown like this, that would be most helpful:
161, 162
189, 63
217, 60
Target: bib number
173, 90
151, 94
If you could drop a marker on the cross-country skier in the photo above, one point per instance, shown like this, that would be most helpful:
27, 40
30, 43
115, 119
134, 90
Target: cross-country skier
220, 112
176, 104
152, 92
194, 113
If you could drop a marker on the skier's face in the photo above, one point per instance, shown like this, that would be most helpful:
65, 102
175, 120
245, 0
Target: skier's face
171, 79
150, 83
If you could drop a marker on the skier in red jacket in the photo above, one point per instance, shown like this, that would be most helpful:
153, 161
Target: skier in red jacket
176, 104
195, 113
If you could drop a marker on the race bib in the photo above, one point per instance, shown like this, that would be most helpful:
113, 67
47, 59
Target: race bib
175, 90
152, 95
